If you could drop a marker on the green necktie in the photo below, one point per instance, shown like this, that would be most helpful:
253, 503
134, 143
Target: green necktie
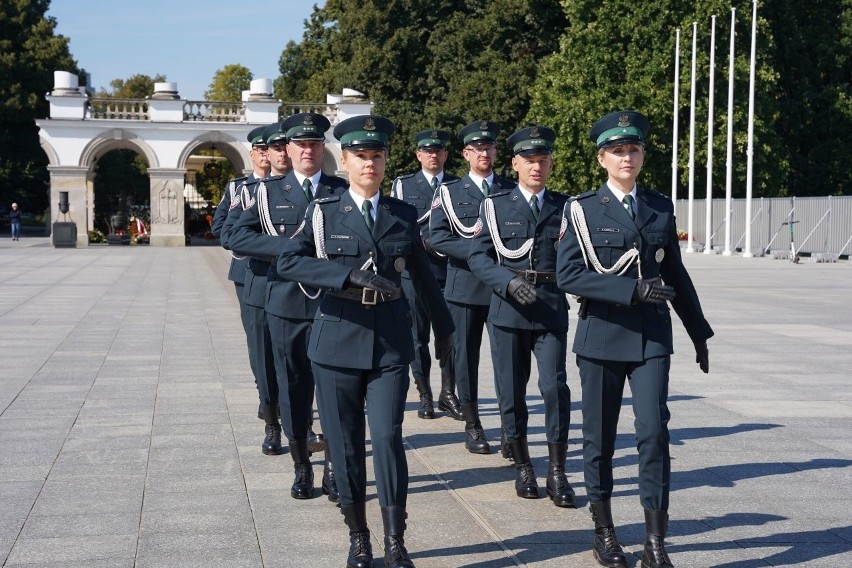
485, 188
306, 185
628, 205
366, 209
434, 183
534, 206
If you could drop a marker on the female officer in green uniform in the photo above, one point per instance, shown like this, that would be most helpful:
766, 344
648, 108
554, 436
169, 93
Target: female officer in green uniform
355, 247
621, 255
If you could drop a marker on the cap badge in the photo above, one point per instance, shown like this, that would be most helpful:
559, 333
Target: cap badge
309, 120
623, 120
434, 134
369, 124
483, 125
534, 132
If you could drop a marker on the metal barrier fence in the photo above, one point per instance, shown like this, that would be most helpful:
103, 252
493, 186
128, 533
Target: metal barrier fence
819, 224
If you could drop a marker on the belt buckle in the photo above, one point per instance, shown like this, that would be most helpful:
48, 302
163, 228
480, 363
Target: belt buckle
369, 296
531, 276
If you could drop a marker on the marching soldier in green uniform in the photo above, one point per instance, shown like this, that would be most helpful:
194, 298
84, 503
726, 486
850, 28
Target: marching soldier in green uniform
455, 211
513, 251
620, 254
355, 247
227, 213
290, 307
418, 189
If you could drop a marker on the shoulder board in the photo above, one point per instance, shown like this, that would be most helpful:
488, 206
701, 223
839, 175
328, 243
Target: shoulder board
254, 181
274, 178
448, 178
504, 182
407, 176
329, 199
585, 194
655, 193
499, 194
396, 201
238, 180
450, 182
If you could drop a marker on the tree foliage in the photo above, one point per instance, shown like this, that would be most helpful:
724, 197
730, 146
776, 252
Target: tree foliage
229, 83
29, 54
439, 64
134, 87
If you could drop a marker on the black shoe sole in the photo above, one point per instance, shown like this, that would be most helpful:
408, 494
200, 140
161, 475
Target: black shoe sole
272, 451
295, 495
452, 414
428, 415
609, 564
527, 494
481, 451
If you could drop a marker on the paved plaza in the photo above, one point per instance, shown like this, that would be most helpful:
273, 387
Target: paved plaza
129, 435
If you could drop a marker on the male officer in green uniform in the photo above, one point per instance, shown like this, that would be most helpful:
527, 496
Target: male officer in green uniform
451, 225
227, 213
279, 208
355, 247
418, 189
513, 251
620, 254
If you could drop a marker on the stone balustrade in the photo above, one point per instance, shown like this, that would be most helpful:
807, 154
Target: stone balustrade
117, 109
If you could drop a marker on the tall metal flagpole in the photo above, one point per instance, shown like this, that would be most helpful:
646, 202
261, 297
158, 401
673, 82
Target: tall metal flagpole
675, 115
689, 247
729, 163
747, 252
708, 218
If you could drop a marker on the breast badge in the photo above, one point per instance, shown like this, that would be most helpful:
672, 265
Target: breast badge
660, 255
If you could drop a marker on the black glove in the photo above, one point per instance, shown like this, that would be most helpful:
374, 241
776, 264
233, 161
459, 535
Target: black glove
702, 356
369, 279
652, 291
443, 349
521, 290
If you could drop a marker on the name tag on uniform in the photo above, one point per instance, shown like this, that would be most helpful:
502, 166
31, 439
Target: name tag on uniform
283, 206
340, 237
608, 230
513, 223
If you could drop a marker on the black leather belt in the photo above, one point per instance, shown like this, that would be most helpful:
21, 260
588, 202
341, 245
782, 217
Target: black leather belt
366, 296
535, 276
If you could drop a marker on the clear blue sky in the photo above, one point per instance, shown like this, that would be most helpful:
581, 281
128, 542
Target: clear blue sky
185, 40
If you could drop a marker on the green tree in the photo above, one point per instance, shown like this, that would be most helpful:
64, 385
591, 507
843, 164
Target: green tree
135, 87
29, 54
229, 83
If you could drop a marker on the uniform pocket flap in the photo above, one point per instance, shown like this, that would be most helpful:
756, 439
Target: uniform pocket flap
607, 239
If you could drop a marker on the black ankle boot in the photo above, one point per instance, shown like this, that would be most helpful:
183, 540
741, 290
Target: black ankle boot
474, 434
329, 483
316, 442
360, 546
526, 485
505, 448
557, 486
396, 556
272, 440
447, 400
606, 549
427, 405
654, 555
303, 483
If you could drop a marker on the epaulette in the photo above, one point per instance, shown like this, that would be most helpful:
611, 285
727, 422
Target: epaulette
655, 193
237, 180
584, 195
274, 178
397, 201
254, 181
329, 199
499, 194
451, 182
406, 176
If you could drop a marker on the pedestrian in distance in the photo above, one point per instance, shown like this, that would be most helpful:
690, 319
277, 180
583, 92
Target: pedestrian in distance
15, 222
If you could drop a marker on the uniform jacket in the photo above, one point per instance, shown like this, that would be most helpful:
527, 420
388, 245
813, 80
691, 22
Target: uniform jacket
462, 286
416, 190
236, 272
346, 333
613, 329
254, 274
287, 206
516, 226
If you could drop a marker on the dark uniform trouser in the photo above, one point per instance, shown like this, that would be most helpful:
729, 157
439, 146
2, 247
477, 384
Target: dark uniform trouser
420, 328
293, 373
603, 385
512, 357
264, 366
239, 287
340, 394
469, 319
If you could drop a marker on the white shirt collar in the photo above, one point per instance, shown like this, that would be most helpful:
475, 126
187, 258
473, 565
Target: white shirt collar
528, 194
478, 180
360, 200
314, 179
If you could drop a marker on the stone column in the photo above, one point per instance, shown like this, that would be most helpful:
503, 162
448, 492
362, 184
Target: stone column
167, 223
72, 179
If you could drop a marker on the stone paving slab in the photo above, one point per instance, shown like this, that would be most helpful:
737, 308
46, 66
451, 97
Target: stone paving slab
129, 436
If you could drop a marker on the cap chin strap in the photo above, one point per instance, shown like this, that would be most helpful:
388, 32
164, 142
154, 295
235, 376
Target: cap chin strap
622, 265
501, 248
